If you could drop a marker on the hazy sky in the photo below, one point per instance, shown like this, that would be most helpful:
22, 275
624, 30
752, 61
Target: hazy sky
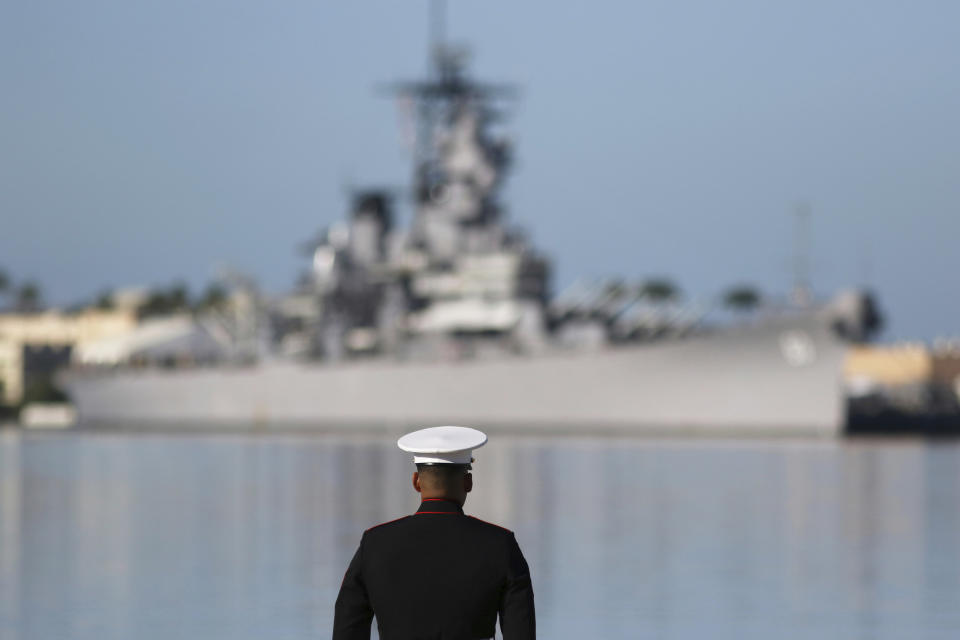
146, 141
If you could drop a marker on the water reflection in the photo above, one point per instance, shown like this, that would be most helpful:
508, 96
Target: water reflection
161, 536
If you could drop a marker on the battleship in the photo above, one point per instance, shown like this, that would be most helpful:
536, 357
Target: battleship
451, 320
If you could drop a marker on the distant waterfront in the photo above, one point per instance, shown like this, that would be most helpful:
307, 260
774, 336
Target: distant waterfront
146, 536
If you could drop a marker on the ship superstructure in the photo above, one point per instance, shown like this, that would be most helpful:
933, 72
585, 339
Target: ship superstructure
452, 319
459, 270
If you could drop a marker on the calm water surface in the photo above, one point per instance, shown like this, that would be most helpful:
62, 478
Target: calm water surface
185, 536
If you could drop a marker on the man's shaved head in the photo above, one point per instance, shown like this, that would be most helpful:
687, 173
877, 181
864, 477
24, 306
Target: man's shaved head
452, 481
436, 477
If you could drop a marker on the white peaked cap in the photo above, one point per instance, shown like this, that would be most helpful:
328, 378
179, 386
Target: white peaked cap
443, 445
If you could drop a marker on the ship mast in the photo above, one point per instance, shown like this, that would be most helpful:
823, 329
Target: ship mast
458, 166
438, 23
802, 295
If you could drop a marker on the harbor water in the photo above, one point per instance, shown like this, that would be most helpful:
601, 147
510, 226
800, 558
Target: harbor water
119, 535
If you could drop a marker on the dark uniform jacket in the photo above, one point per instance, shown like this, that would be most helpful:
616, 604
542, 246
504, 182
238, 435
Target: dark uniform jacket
436, 574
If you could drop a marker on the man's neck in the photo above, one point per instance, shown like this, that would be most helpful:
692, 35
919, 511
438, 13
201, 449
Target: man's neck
439, 505
424, 497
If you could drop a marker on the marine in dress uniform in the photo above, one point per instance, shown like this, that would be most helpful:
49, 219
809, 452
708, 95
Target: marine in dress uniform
437, 573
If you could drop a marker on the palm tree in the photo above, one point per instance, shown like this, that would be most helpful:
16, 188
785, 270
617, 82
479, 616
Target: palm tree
179, 296
213, 298
660, 290
28, 297
4, 283
163, 302
742, 298
104, 301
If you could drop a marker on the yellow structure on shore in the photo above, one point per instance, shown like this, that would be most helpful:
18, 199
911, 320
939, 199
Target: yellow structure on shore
904, 364
55, 329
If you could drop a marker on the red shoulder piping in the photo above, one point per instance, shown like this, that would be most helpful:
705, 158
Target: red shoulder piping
387, 522
490, 523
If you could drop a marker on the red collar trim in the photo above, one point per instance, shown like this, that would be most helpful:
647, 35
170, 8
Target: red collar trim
439, 505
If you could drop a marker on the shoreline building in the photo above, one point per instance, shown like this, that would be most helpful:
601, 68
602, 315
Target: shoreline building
34, 345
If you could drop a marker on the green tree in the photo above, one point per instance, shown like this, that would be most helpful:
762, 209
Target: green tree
214, 297
742, 298
104, 301
161, 302
28, 297
179, 296
660, 290
4, 284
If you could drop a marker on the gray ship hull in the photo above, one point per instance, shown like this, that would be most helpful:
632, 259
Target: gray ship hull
780, 377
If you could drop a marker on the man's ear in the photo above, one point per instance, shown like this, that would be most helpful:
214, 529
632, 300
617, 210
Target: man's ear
468, 482
416, 481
